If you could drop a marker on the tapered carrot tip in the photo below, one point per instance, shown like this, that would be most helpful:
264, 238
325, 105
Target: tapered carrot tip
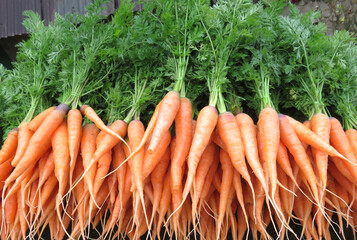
63, 107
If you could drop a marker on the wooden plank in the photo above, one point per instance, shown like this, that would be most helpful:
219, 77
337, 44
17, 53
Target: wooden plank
45, 10
51, 11
18, 17
9, 18
3, 19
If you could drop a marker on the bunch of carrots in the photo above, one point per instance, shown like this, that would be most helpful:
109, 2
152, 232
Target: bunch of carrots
217, 175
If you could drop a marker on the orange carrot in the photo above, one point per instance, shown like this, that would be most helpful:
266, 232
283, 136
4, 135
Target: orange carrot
309, 137
164, 202
284, 162
47, 170
183, 127
269, 137
102, 170
269, 133
21, 213
226, 185
135, 133
340, 142
10, 209
203, 168
206, 122
248, 133
92, 115
157, 180
5, 169
23, 140
37, 121
40, 141
148, 131
61, 156
151, 159
352, 137
9, 147
88, 146
218, 140
170, 105
237, 184
74, 126
292, 142
118, 158
107, 142
208, 180
320, 124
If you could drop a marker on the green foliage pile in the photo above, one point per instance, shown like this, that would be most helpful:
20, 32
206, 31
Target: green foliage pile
243, 50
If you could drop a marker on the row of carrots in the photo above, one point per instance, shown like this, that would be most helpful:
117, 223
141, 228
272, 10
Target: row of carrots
216, 175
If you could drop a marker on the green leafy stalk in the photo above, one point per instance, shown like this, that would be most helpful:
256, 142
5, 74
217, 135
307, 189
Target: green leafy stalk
30, 86
309, 46
86, 43
343, 76
226, 21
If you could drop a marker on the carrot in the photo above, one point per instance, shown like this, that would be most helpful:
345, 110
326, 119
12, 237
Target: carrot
61, 160
118, 158
21, 214
203, 168
5, 170
40, 141
208, 180
88, 147
9, 147
92, 115
343, 181
217, 179
35, 123
107, 142
61, 156
74, 123
320, 124
340, 142
47, 189
218, 140
170, 105
113, 186
66, 221
226, 185
10, 209
352, 137
157, 180
183, 127
308, 136
23, 140
229, 132
282, 159
292, 142
47, 170
148, 131
151, 159
164, 201
248, 133
206, 122
237, 184
102, 170
269, 135
135, 133
242, 225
